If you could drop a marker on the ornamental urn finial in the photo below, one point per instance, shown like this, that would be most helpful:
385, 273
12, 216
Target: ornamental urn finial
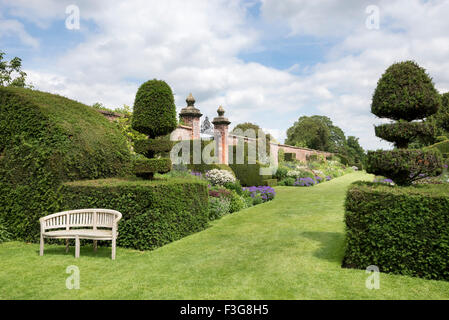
220, 111
190, 100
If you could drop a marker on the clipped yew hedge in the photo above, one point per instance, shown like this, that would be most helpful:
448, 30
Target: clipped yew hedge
154, 212
401, 230
46, 139
404, 166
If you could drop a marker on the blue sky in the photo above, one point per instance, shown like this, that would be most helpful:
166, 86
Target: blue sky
266, 61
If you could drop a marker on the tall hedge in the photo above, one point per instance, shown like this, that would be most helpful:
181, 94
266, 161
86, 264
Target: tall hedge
249, 171
46, 139
402, 230
154, 212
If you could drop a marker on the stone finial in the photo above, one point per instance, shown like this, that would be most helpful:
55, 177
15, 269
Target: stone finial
190, 110
221, 119
190, 100
220, 111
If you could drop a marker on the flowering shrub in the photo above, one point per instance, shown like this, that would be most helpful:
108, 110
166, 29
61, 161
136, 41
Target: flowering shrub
265, 193
318, 179
219, 193
293, 173
328, 178
218, 207
305, 182
219, 177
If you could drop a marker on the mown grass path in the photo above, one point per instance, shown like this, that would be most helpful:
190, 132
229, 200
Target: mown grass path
289, 248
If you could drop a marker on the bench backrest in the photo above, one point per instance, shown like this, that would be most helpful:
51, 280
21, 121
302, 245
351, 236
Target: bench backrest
94, 218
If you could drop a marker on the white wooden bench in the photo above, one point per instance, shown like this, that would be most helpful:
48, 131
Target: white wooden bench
81, 224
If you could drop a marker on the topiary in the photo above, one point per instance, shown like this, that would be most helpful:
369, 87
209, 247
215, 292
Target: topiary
405, 166
405, 93
46, 139
155, 116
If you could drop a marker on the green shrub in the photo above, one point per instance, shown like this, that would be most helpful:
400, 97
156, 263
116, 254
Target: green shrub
405, 92
144, 166
289, 156
154, 109
342, 159
270, 182
248, 174
46, 139
287, 182
154, 212
235, 186
404, 166
154, 115
281, 173
402, 132
237, 203
218, 207
402, 230
152, 145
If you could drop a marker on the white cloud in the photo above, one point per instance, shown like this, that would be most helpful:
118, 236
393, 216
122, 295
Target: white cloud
13, 28
194, 46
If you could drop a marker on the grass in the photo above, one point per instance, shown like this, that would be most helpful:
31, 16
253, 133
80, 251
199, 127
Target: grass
289, 248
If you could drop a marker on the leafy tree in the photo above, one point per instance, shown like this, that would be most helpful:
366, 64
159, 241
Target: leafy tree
337, 140
309, 132
355, 152
11, 74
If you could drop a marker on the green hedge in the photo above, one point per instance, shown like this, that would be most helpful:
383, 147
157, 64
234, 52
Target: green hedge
46, 139
404, 166
145, 166
152, 145
154, 109
270, 182
402, 230
154, 212
402, 132
248, 174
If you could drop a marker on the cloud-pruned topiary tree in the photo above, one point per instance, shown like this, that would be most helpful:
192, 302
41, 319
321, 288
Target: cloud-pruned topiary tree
155, 116
405, 93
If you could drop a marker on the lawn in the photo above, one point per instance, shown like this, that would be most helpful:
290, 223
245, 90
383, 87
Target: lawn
289, 248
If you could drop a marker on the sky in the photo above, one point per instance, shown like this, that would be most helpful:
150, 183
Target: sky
265, 61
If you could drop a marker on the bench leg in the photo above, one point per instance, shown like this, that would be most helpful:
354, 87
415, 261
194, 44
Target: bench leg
66, 245
41, 249
77, 247
113, 249
95, 245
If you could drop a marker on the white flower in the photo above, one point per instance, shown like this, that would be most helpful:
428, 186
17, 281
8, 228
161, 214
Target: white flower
219, 177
